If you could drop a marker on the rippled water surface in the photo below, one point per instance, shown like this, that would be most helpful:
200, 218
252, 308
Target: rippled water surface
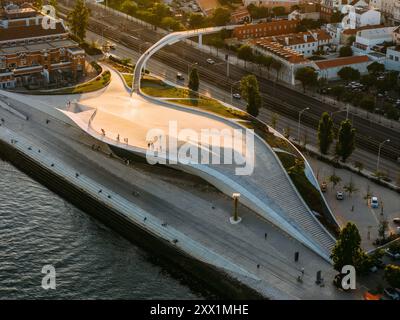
37, 228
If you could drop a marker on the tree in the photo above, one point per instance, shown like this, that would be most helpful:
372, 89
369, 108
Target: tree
279, 11
277, 65
367, 103
129, 7
338, 91
350, 40
346, 140
268, 61
334, 179
221, 17
368, 80
336, 17
194, 81
375, 68
347, 250
170, 23
392, 275
307, 76
350, 188
325, 133
196, 20
382, 229
345, 51
245, 53
78, 19
349, 74
257, 12
251, 93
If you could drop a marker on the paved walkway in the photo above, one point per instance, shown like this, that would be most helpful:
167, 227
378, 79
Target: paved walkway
199, 217
268, 190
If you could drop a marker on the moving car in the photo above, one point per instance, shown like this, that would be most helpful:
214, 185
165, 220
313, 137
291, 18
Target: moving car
179, 76
374, 202
339, 195
237, 96
210, 61
396, 220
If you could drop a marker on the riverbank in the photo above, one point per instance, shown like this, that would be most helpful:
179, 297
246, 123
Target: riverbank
168, 255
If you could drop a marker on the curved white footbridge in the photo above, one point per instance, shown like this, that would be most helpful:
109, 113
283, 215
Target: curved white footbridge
129, 115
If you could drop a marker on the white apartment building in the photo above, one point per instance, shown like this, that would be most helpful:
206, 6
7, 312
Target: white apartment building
389, 8
367, 39
392, 61
367, 17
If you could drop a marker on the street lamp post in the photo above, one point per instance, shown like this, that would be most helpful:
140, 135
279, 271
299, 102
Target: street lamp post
379, 154
235, 219
298, 126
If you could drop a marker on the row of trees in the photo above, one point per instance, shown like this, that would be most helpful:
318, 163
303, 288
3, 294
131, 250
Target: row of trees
345, 144
246, 53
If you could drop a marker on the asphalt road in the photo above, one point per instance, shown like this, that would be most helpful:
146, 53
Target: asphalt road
276, 98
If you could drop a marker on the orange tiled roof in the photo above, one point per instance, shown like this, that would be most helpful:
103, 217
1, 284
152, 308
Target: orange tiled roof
354, 31
326, 64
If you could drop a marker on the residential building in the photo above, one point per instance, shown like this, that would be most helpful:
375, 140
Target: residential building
367, 17
392, 61
240, 15
389, 8
329, 69
290, 59
367, 40
31, 54
304, 43
396, 35
267, 29
307, 10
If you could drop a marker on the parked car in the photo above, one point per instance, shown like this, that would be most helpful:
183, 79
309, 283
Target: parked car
237, 96
394, 256
391, 293
180, 77
396, 220
374, 202
210, 61
323, 186
339, 195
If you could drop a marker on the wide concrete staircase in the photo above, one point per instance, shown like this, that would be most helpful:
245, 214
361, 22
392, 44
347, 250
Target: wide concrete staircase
270, 184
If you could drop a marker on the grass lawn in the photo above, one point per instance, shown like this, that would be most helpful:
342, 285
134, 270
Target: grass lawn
95, 84
157, 88
128, 78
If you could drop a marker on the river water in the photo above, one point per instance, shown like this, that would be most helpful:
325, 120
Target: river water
38, 228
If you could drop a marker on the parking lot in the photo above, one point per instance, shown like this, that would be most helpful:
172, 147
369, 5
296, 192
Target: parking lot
357, 208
